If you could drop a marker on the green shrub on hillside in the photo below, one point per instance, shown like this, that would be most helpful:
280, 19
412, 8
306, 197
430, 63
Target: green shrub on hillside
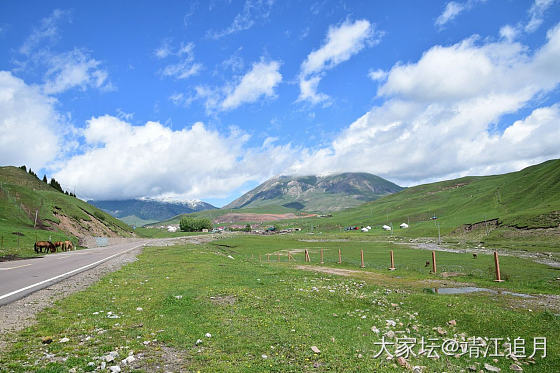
190, 224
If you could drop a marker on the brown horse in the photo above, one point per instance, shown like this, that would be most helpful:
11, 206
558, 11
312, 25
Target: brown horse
44, 245
59, 244
67, 246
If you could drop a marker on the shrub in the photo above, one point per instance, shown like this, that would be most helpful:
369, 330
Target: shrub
191, 224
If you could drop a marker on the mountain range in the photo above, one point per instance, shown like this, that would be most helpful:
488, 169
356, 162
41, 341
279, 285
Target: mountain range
317, 193
145, 211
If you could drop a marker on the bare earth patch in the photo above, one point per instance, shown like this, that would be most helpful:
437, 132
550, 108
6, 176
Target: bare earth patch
83, 228
235, 217
162, 358
224, 300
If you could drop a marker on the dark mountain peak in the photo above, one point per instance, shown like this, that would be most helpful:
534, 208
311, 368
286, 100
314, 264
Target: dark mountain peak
317, 193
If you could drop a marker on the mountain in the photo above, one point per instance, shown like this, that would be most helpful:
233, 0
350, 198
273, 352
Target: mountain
518, 203
146, 211
317, 193
32, 209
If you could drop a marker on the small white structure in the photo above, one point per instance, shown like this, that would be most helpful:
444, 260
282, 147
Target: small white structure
403, 225
365, 229
368, 227
386, 227
171, 228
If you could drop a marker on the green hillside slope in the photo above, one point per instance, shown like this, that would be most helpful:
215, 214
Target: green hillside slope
520, 204
31, 209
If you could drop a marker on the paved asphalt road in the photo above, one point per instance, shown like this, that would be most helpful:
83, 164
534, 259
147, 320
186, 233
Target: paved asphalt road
21, 277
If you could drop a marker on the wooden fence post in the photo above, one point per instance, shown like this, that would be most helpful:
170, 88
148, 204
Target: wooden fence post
268, 257
339, 257
392, 268
497, 265
362, 256
322, 262
434, 266
307, 258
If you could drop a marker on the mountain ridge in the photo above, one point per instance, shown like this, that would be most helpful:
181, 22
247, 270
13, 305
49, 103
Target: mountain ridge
145, 211
317, 193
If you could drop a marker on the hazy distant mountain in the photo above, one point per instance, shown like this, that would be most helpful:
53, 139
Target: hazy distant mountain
145, 211
317, 193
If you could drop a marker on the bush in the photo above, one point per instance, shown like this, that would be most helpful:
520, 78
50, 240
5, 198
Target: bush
190, 224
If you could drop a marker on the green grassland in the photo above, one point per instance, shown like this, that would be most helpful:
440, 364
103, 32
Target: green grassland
22, 196
521, 275
266, 316
526, 204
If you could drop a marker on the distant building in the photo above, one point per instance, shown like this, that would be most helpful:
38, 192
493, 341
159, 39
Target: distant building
403, 225
386, 227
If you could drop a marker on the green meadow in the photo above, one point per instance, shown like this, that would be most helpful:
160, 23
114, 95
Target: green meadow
286, 317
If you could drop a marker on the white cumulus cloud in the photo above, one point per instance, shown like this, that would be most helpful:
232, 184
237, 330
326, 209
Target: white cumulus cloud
259, 81
30, 127
440, 115
342, 42
125, 161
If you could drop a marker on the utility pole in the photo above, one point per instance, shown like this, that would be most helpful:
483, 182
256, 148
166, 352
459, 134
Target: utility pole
35, 224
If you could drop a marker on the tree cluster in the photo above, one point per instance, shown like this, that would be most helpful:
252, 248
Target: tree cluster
55, 184
192, 224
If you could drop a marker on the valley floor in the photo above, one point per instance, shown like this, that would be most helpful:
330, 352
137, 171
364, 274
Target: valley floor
238, 304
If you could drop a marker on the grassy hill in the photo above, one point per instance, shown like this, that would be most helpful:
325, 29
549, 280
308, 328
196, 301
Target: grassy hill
317, 193
59, 216
519, 205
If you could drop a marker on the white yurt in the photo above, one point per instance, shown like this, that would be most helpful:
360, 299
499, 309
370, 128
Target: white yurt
386, 227
403, 225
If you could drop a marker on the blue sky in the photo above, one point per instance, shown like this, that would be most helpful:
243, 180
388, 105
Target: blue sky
204, 100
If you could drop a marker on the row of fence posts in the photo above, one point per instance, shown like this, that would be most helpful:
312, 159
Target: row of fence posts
2, 242
392, 256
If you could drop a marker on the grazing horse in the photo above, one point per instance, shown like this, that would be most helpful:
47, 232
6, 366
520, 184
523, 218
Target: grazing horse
67, 246
58, 244
44, 245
